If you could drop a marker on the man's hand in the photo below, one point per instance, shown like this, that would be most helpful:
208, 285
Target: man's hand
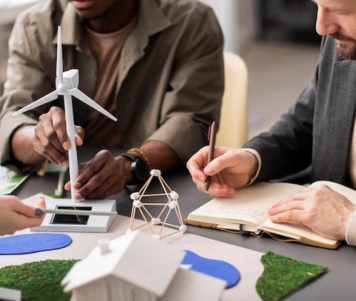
101, 177
51, 139
15, 215
230, 169
320, 208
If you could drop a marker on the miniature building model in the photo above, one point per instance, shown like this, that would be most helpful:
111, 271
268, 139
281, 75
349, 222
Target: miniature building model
171, 205
138, 267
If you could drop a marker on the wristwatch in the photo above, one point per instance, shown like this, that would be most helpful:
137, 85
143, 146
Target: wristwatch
139, 168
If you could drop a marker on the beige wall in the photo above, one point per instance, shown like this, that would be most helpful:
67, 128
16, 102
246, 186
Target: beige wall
247, 23
238, 20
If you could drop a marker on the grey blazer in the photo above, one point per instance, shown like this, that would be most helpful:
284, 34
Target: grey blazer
317, 130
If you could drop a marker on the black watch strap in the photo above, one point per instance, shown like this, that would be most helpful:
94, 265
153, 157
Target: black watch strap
139, 168
133, 157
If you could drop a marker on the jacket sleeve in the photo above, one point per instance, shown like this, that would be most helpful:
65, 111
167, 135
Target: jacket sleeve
193, 98
287, 147
26, 82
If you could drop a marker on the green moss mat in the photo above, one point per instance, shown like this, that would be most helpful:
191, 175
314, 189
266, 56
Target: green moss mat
38, 281
283, 275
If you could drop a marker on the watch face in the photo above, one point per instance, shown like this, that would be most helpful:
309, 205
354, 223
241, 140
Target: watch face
140, 169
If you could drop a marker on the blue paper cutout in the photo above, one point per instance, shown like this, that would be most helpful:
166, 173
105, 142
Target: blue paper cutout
215, 268
32, 243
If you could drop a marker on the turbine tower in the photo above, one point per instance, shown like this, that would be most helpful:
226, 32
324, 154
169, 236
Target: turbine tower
67, 85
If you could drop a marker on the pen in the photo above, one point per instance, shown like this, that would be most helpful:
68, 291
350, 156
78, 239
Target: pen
78, 212
211, 139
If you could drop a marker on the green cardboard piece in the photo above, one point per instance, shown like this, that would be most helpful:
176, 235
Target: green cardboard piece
283, 275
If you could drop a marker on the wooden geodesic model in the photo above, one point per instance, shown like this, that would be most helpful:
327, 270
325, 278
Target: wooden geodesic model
150, 221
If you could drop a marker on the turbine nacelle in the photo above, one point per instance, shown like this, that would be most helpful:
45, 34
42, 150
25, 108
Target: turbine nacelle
70, 81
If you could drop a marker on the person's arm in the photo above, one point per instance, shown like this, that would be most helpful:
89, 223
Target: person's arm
191, 103
229, 169
22, 146
194, 95
287, 147
26, 81
15, 215
320, 208
161, 156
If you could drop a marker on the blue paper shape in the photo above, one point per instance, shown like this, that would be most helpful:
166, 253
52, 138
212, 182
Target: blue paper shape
32, 243
215, 268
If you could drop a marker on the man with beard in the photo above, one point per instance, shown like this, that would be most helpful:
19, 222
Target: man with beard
156, 65
319, 130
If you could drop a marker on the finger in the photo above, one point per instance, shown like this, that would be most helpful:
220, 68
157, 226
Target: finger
100, 181
292, 205
220, 190
23, 222
101, 191
292, 216
46, 148
78, 140
79, 135
197, 174
301, 195
60, 129
41, 203
37, 145
108, 188
67, 186
92, 176
82, 166
86, 173
24, 209
195, 180
228, 159
216, 190
196, 164
51, 125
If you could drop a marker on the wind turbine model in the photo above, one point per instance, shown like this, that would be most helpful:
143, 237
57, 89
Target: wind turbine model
67, 85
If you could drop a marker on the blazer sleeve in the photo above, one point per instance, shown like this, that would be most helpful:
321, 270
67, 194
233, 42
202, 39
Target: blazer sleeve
287, 147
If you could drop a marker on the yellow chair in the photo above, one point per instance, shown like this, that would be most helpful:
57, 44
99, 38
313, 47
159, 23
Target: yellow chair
233, 119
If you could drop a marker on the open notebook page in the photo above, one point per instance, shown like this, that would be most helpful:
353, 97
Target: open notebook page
248, 206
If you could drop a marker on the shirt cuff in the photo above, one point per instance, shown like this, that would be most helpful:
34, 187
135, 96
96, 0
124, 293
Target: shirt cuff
258, 157
351, 230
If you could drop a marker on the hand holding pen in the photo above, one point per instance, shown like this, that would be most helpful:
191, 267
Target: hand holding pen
211, 140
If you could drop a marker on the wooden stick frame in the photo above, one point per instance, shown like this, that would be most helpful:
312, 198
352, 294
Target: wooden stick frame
172, 205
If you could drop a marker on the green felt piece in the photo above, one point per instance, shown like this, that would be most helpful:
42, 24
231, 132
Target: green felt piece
283, 275
38, 281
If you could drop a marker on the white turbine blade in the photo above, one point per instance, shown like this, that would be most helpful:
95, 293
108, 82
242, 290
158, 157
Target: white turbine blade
80, 95
49, 97
59, 71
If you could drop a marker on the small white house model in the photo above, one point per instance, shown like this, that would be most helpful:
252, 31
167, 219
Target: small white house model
137, 266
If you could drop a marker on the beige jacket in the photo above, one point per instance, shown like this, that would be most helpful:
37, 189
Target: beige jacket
170, 81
